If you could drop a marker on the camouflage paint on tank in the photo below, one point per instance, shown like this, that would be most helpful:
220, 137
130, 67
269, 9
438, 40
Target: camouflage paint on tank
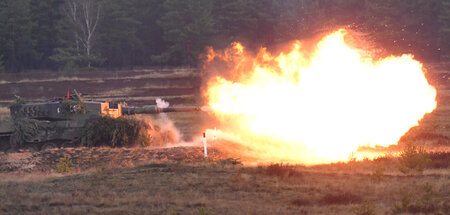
61, 121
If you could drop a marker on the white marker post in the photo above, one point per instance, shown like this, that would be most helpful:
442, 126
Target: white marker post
204, 144
214, 142
214, 137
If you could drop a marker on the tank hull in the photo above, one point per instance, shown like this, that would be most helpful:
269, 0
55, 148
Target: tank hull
59, 123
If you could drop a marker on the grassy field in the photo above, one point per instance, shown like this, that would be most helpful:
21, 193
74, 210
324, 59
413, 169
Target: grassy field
224, 188
137, 87
178, 181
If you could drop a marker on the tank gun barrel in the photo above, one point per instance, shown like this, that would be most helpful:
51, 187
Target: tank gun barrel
153, 109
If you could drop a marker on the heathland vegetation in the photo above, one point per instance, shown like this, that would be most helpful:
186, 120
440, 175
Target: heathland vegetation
89, 181
75, 35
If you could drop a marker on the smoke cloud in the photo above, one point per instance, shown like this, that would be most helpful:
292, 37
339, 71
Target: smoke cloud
161, 103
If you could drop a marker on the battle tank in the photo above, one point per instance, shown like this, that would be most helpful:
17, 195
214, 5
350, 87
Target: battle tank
59, 122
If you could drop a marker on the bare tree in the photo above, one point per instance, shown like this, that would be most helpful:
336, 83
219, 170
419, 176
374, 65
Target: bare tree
84, 15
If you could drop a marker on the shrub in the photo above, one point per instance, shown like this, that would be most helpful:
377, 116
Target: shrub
341, 198
413, 158
204, 211
229, 161
420, 202
378, 173
301, 202
365, 208
439, 159
237, 177
385, 158
281, 170
64, 165
116, 132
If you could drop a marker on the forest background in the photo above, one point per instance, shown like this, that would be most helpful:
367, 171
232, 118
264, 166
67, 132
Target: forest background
74, 35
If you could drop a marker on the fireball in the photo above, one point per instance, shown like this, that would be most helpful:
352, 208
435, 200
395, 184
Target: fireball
315, 105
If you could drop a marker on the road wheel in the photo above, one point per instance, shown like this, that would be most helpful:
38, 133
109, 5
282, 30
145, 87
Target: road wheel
48, 146
67, 145
31, 148
15, 141
11, 150
4, 143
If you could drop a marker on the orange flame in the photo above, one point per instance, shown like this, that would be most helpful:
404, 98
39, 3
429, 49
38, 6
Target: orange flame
316, 107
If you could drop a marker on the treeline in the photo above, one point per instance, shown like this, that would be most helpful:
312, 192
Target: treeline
115, 34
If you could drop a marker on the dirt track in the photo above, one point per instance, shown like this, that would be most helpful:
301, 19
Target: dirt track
137, 87
84, 159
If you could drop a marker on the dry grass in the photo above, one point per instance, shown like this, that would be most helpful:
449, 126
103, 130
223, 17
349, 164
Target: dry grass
191, 124
192, 188
118, 92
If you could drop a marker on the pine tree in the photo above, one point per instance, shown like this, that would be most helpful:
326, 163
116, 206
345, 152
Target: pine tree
234, 21
16, 44
118, 41
444, 30
187, 26
2, 68
147, 13
404, 26
46, 16
290, 20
